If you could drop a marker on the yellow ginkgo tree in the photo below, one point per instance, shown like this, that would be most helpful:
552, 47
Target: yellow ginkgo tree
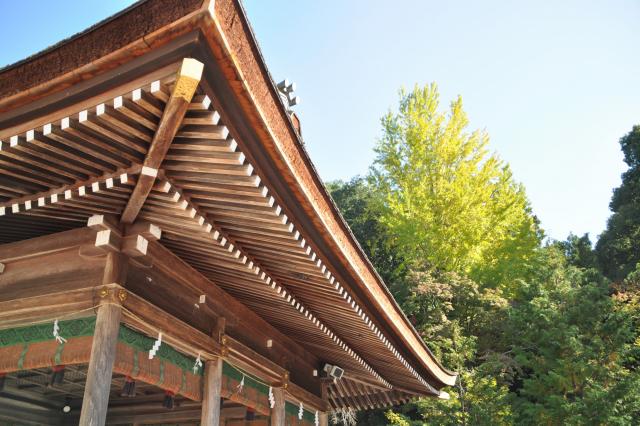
447, 200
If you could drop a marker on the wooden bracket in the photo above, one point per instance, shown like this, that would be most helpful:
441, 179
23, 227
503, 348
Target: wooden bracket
136, 242
148, 230
224, 345
185, 87
108, 241
134, 245
109, 235
101, 222
132, 240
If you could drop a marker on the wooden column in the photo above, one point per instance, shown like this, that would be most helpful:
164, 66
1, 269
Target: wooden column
211, 395
277, 412
103, 354
324, 389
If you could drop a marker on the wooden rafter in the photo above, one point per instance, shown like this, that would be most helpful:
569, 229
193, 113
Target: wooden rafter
167, 201
185, 86
251, 218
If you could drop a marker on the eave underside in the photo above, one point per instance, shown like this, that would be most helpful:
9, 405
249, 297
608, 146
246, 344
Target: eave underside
218, 213
215, 211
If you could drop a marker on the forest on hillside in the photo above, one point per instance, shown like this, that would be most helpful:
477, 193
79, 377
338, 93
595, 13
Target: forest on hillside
541, 332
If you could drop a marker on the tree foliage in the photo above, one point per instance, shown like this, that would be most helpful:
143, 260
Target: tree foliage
447, 199
619, 246
571, 344
361, 207
538, 334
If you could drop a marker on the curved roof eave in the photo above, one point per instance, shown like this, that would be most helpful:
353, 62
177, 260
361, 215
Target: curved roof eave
311, 189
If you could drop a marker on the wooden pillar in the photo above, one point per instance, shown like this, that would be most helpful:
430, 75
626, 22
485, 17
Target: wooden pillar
324, 390
324, 419
103, 354
211, 395
277, 412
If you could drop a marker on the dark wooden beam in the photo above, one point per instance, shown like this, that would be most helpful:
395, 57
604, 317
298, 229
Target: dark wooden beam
147, 318
245, 358
47, 277
185, 86
310, 400
50, 273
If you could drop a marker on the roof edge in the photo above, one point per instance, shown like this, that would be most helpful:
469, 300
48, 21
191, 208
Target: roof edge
71, 38
90, 53
409, 335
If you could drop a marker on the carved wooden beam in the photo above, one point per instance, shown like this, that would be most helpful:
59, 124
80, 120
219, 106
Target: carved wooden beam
187, 81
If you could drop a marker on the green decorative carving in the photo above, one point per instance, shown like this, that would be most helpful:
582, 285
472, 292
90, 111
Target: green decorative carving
233, 373
86, 326
166, 353
43, 332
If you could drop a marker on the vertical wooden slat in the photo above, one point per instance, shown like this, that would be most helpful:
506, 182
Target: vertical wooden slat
211, 394
103, 354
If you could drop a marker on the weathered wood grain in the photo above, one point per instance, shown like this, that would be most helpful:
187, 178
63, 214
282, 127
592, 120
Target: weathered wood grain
211, 395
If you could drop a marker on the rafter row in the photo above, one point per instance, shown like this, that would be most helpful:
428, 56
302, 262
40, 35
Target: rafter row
226, 242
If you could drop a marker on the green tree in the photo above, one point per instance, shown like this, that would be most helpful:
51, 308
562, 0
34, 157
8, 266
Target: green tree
361, 207
571, 343
448, 310
579, 251
537, 334
447, 200
460, 322
618, 248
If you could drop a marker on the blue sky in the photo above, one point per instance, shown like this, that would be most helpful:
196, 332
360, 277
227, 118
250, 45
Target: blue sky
555, 84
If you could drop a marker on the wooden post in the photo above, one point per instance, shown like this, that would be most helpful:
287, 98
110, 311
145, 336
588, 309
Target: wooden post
278, 414
211, 395
103, 354
324, 390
